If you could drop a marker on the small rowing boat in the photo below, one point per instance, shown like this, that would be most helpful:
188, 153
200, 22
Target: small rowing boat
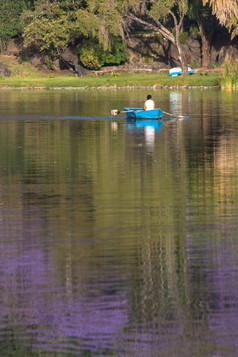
140, 113
177, 71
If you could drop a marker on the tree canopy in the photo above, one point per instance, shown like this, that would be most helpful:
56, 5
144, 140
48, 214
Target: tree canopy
53, 25
10, 24
223, 9
227, 13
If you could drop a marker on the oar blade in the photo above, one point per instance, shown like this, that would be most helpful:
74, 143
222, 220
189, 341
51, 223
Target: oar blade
179, 116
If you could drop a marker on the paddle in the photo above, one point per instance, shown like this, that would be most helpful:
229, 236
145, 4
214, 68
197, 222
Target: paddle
175, 116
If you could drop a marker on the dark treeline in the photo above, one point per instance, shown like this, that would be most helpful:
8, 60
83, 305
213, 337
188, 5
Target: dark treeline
97, 30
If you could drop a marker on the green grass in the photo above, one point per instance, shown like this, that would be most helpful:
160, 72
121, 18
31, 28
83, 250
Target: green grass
25, 75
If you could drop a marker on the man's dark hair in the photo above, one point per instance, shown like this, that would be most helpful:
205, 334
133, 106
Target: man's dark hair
149, 96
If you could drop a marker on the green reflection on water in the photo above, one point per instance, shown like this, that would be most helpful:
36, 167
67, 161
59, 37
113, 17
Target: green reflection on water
105, 201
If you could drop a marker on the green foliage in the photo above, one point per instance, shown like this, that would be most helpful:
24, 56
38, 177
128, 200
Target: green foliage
159, 38
55, 25
194, 30
86, 24
23, 57
93, 56
214, 64
148, 59
49, 63
230, 76
182, 37
117, 54
10, 25
52, 35
160, 9
194, 64
110, 17
29, 4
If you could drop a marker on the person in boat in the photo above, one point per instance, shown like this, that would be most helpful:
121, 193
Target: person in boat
149, 103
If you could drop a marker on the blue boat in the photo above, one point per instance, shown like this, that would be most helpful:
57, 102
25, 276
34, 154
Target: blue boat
177, 71
140, 113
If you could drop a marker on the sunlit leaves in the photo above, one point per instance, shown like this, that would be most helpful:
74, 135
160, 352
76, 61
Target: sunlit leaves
225, 10
52, 35
69, 20
108, 13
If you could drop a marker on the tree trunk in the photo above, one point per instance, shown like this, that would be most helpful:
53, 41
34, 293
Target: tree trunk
181, 55
206, 53
205, 38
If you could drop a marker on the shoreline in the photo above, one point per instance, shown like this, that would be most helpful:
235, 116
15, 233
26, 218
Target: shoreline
26, 77
154, 87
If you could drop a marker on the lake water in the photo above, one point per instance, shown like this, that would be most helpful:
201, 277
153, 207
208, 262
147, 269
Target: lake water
118, 238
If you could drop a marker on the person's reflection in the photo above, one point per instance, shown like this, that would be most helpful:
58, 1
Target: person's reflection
149, 132
114, 126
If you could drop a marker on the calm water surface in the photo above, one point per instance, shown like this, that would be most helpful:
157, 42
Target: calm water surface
118, 238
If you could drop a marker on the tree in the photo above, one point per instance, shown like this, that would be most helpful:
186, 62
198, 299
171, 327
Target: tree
223, 9
10, 25
154, 15
54, 25
51, 35
226, 12
206, 25
104, 20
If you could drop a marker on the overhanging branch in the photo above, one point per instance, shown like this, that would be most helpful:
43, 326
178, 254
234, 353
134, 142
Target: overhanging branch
158, 28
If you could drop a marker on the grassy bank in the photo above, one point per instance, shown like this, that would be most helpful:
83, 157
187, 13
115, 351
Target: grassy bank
230, 76
26, 76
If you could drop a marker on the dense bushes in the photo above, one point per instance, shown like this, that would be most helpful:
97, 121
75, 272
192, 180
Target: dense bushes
10, 24
94, 57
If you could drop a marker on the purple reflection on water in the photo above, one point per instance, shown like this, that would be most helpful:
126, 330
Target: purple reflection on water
88, 317
214, 262
52, 302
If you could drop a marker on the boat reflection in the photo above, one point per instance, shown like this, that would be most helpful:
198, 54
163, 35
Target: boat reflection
149, 128
149, 125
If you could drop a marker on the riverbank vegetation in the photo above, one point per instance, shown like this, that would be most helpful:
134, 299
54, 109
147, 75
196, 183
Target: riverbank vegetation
98, 31
229, 78
138, 80
24, 75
